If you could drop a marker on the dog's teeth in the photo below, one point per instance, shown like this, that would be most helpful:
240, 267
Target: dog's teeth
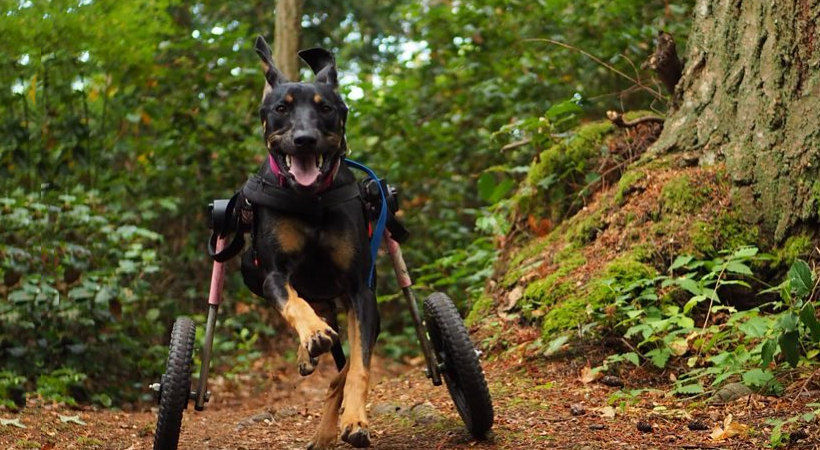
289, 160
320, 160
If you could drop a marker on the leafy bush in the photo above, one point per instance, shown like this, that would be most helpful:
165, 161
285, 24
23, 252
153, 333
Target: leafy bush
78, 292
661, 315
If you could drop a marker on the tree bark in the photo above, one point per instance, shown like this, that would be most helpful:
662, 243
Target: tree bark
287, 36
750, 94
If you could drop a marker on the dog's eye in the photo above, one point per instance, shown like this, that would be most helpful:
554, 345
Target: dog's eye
325, 108
281, 109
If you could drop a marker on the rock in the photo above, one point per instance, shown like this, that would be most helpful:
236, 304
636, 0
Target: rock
256, 418
424, 413
730, 393
597, 426
612, 381
577, 409
287, 411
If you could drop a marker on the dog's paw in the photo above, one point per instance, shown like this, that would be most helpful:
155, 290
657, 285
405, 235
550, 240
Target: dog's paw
356, 435
305, 362
320, 341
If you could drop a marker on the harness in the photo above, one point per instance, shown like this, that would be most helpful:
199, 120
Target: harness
234, 215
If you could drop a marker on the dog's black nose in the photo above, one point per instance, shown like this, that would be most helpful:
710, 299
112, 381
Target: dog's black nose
304, 139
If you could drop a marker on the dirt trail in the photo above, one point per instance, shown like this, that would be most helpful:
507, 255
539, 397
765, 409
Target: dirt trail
274, 408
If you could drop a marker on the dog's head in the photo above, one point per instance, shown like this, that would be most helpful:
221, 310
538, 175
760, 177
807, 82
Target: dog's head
303, 123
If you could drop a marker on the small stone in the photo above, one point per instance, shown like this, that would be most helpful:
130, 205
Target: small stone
612, 381
385, 409
576, 409
424, 413
697, 425
730, 393
288, 411
597, 426
644, 426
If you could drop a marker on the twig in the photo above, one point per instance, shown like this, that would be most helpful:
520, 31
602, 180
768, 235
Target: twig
601, 62
516, 144
711, 302
618, 119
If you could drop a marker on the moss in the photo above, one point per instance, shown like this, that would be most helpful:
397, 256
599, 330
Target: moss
568, 314
553, 287
728, 231
584, 229
626, 185
680, 195
559, 171
520, 263
573, 311
480, 309
795, 247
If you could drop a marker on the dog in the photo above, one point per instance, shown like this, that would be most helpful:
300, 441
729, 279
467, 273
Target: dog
306, 262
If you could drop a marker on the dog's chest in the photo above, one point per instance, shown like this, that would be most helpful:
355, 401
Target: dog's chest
321, 244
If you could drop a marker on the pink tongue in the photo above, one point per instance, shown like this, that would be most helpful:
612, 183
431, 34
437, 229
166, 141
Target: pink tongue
304, 169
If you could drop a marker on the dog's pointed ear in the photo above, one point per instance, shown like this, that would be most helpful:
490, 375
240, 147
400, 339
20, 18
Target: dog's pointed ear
272, 74
323, 64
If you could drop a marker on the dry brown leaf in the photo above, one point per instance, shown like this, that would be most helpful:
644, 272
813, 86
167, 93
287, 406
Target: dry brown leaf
587, 375
607, 412
729, 429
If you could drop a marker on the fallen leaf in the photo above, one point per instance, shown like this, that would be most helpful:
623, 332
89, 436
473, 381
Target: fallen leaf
72, 419
588, 375
12, 423
729, 429
607, 412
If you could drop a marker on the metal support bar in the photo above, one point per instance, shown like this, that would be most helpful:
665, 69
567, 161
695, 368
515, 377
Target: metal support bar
202, 386
403, 277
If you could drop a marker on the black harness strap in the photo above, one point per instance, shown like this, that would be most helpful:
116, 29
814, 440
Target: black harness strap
261, 192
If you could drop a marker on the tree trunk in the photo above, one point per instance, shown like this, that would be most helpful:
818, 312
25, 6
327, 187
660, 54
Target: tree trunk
750, 94
286, 38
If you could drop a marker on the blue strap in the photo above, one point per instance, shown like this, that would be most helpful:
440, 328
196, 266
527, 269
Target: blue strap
378, 232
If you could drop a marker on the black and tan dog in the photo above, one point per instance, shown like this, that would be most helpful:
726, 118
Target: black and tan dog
307, 261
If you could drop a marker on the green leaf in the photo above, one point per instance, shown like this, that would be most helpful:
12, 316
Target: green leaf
690, 285
633, 358
801, 278
745, 252
738, 268
809, 319
555, 345
692, 303
694, 388
680, 261
767, 352
787, 322
755, 327
757, 378
790, 346
659, 357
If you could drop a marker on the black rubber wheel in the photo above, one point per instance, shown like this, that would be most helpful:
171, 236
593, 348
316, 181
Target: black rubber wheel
462, 372
175, 387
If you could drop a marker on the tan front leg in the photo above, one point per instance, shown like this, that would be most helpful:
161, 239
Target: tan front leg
328, 429
354, 417
315, 335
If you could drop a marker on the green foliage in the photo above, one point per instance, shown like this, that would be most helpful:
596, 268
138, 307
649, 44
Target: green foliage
745, 346
77, 294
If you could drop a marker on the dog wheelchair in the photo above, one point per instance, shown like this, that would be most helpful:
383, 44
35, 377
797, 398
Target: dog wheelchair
444, 341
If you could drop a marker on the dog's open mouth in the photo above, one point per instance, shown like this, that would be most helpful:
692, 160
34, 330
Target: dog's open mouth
304, 168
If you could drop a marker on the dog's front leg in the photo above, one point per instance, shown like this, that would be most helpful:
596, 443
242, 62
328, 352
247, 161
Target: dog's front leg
315, 335
363, 327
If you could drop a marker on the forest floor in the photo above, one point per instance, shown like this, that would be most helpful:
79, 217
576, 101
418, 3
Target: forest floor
539, 403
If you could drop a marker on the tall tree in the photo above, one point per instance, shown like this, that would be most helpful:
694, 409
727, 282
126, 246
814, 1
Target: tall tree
286, 38
750, 94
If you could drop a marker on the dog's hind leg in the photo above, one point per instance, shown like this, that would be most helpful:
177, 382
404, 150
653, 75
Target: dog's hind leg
328, 429
362, 329
315, 335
